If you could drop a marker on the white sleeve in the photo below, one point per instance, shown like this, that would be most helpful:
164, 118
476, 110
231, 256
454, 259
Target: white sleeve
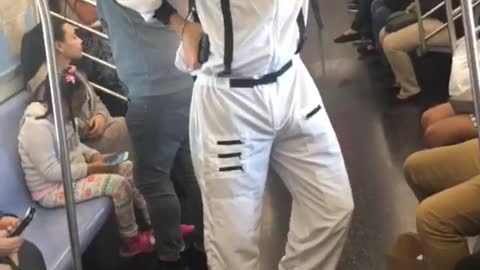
146, 8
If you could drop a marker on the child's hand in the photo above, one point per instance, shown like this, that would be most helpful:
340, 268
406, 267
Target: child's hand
98, 125
101, 168
101, 158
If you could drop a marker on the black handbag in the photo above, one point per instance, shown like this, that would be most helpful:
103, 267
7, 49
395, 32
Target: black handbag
399, 20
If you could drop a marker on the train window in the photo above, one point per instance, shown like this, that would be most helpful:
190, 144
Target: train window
17, 17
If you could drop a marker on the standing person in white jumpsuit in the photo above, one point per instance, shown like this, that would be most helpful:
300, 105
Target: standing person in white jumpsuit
254, 106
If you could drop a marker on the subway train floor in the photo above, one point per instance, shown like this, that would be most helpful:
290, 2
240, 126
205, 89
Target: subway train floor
376, 135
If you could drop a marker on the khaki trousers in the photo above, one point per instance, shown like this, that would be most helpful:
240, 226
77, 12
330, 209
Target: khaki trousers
397, 45
446, 180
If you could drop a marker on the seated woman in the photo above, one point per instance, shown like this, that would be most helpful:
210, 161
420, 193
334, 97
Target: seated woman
446, 181
92, 177
443, 126
97, 128
397, 45
92, 44
15, 250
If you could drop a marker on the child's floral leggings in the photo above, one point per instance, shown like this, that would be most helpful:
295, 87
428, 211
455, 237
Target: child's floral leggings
119, 187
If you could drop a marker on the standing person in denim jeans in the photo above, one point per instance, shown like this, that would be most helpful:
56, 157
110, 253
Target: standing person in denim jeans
144, 51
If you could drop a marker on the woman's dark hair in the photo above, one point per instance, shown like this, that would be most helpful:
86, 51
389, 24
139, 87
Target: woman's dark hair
32, 54
67, 89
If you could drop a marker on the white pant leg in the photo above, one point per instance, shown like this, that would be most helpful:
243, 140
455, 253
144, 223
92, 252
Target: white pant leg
225, 122
307, 156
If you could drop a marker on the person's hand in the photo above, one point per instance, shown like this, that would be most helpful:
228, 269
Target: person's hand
8, 224
191, 35
98, 124
99, 158
412, 8
101, 168
9, 246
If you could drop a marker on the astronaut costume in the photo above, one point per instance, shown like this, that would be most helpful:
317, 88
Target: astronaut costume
255, 105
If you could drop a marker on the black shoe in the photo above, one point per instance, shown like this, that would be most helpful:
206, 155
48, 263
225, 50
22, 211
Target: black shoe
362, 42
366, 51
195, 259
352, 8
178, 265
347, 38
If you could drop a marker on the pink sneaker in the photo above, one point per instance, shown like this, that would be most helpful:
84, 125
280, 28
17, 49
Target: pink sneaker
139, 244
187, 230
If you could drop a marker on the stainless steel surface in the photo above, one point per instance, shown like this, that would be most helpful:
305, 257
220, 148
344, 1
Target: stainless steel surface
455, 16
421, 30
89, 29
90, 2
439, 29
431, 11
472, 53
108, 91
98, 60
451, 25
59, 120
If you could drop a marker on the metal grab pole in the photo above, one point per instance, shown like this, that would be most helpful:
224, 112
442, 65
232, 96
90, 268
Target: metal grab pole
451, 25
421, 30
472, 53
59, 120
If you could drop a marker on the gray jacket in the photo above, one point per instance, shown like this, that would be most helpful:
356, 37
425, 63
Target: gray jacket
39, 154
92, 106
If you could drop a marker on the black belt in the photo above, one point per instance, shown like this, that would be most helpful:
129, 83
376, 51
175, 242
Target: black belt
265, 79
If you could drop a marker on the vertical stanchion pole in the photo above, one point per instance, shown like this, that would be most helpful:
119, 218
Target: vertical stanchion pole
472, 53
421, 30
451, 25
59, 120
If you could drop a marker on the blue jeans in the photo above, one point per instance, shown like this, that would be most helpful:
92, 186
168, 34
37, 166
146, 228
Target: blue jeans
379, 12
159, 130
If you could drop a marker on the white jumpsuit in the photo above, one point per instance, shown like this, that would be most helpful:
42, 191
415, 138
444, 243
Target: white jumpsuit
238, 133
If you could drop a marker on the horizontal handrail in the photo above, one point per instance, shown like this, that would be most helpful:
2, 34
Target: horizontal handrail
431, 11
98, 60
446, 24
108, 91
77, 24
90, 2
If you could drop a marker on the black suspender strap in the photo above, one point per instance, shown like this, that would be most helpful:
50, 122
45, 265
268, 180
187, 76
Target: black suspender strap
164, 12
302, 31
228, 28
192, 9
